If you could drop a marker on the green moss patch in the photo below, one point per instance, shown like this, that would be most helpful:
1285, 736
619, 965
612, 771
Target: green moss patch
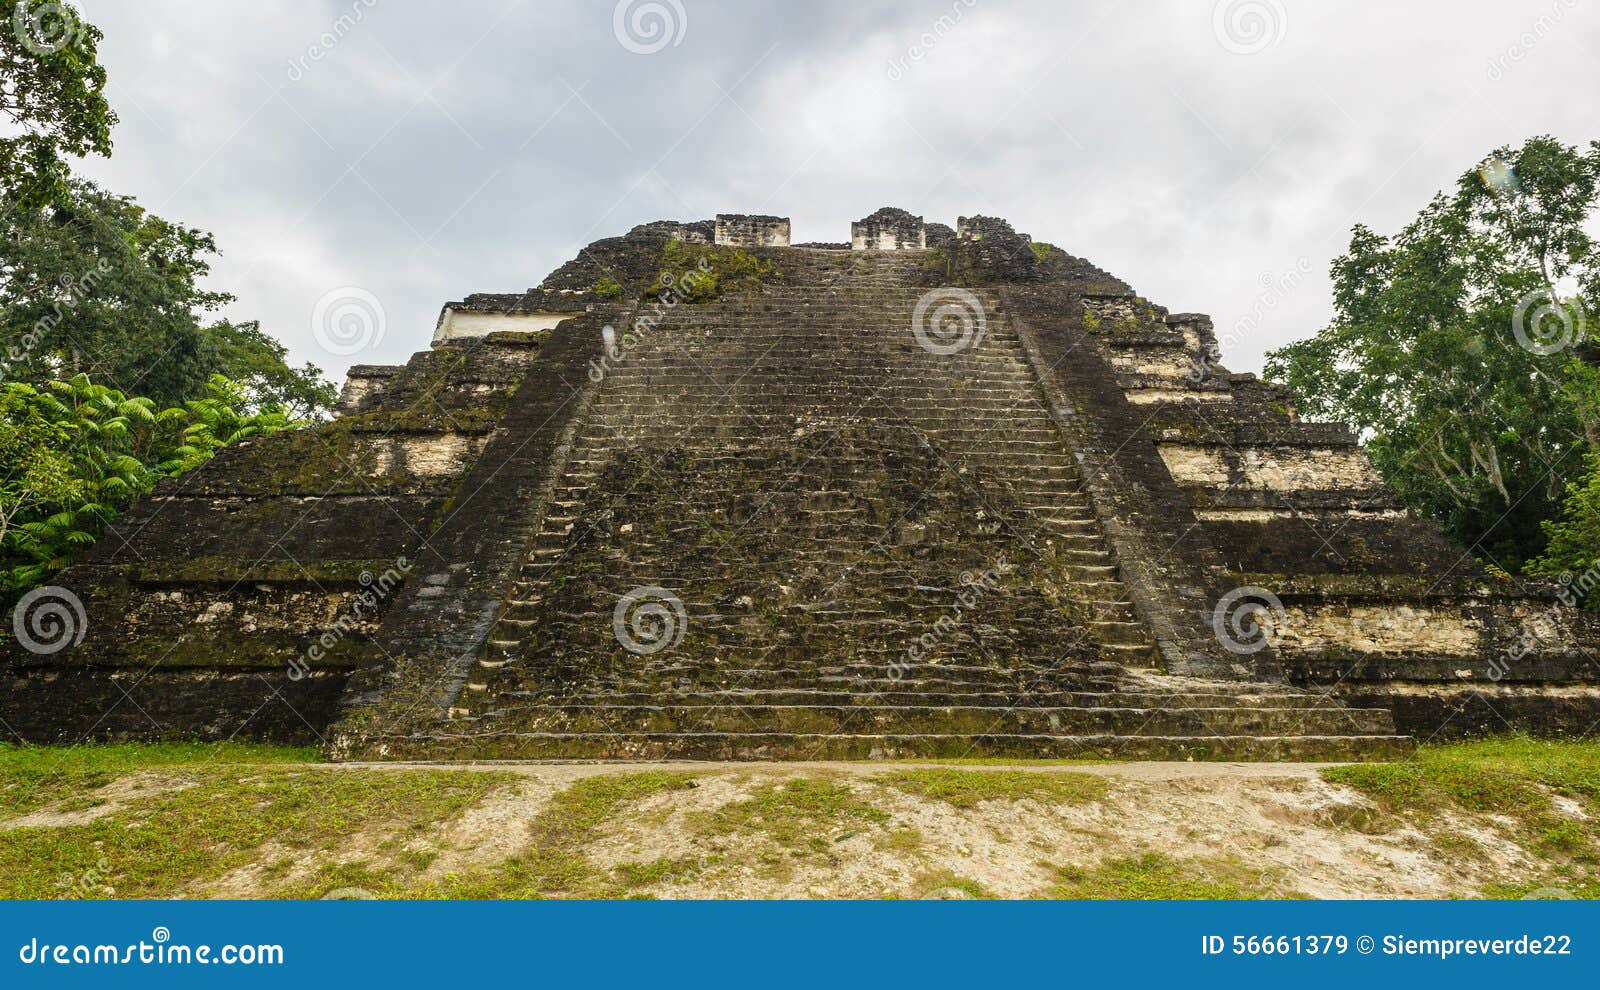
1154, 877
701, 273
968, 788
33, 777
1511, 776
799, 814
1515, 779
211, 821
554, 863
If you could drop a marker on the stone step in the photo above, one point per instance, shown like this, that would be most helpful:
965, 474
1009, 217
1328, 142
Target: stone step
468, 740
1281, 697
961, 720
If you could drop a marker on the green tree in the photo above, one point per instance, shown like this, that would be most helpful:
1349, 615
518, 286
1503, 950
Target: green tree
74, 455
52, 92
1460, 347
1574, 540
97, 285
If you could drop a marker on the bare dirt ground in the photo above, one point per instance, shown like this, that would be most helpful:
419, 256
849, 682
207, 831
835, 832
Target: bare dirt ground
1272, 830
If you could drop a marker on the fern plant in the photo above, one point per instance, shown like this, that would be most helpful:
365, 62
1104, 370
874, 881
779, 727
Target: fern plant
74, 455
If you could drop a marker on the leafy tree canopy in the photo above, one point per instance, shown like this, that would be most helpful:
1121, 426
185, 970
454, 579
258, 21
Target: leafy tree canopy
1461, 347
97, 285
52, 92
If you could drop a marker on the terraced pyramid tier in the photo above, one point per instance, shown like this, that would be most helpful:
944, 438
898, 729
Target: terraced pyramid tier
705, 495
857, 545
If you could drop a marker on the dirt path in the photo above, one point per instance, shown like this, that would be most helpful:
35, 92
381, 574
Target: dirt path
852, 830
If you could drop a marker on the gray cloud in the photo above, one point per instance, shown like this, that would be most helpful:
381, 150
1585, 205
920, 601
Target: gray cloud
433, 150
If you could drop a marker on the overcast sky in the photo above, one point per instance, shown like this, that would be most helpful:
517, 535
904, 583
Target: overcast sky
1214, 155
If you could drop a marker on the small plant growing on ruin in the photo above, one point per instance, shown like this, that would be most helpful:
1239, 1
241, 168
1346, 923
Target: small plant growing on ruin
699, 273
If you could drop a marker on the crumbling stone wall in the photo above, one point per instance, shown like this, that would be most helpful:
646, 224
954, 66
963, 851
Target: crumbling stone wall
889, 229
734, 230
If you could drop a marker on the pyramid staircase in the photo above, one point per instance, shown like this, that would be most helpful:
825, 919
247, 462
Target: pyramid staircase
869, 549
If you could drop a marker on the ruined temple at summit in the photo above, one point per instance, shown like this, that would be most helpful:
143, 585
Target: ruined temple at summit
705, 493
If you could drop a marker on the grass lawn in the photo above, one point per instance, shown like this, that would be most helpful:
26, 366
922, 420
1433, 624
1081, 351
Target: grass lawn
132, 821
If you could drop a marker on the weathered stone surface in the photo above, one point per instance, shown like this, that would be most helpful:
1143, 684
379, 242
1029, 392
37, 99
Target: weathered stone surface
960, 494
734, 230
889, 229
